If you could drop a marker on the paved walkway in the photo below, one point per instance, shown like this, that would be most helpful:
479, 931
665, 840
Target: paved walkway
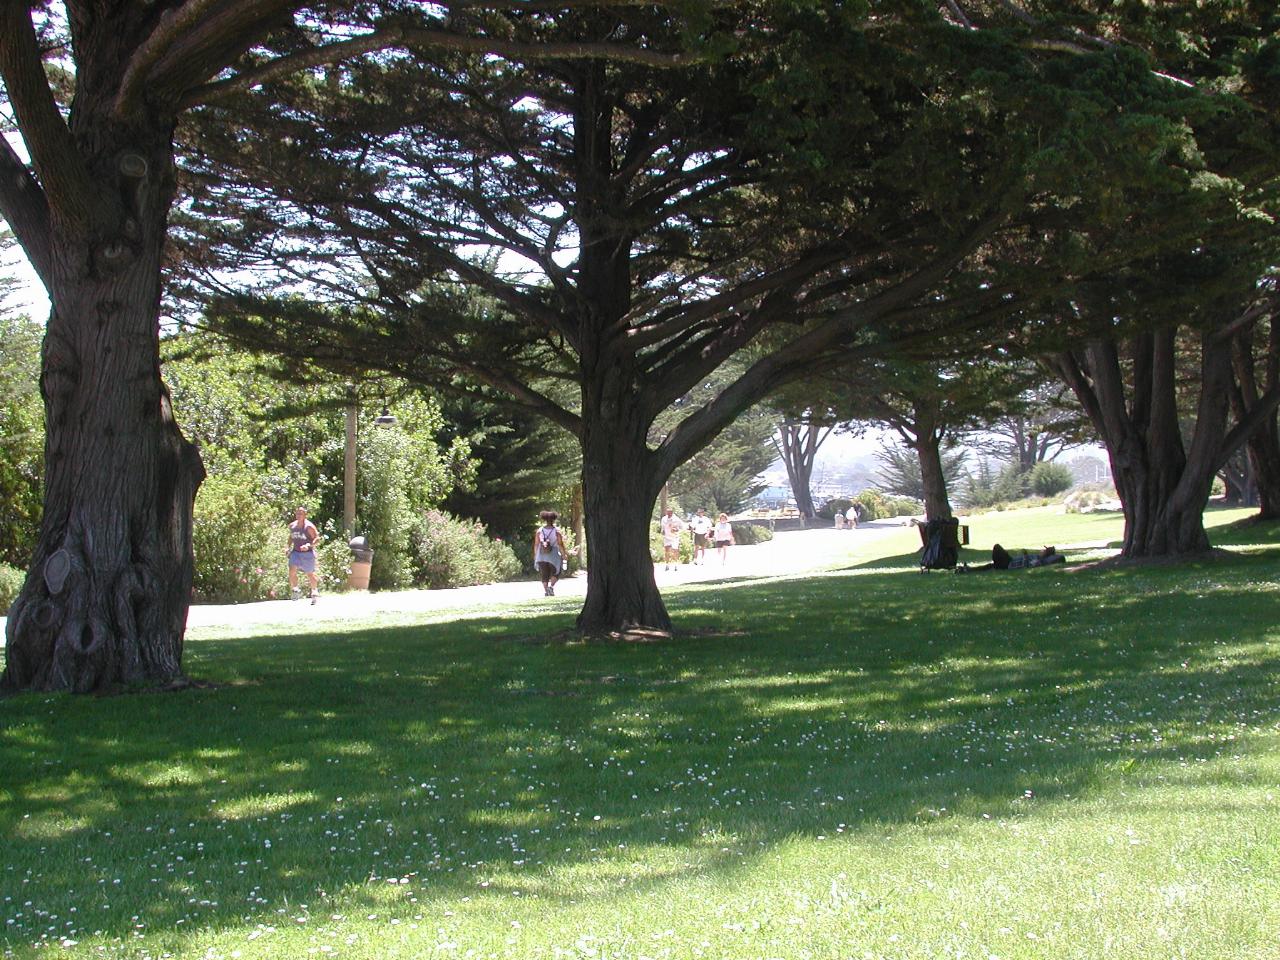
793, 552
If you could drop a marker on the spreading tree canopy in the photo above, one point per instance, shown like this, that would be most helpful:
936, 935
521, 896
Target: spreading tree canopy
843, 178
97, 91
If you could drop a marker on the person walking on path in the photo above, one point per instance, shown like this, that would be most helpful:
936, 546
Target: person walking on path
701, 526
723, 537
671, 527
302, 554
549, 553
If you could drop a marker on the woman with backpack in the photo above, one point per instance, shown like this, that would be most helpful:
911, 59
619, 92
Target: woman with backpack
549, 553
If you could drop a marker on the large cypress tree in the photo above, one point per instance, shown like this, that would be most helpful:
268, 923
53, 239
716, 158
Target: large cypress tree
98, 91
826, 176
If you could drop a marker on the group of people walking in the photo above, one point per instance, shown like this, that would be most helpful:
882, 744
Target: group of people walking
704, 531
550, 556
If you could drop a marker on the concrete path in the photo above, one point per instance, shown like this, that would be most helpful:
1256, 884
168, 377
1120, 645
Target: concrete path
788, 553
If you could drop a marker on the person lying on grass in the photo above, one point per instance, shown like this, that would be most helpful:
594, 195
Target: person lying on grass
1002, 559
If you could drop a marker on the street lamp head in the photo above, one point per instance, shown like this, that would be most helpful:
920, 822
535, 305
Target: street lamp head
386, 418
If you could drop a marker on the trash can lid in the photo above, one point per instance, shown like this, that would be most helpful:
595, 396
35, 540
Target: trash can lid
358, 543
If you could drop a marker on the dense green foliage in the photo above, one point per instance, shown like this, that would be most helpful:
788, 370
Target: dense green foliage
1040, 764
21, 437
985, 486
1049, 479
876, 505
746, 534
10, 583
448, 552
523, 464
403, 476
240, 542
273, 435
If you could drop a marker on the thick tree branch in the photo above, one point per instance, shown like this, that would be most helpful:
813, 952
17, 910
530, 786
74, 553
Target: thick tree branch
25, 209
214, 37
1067, 368
415, 38
668, 323
173, 26
68, 188
797, 356
1266, 405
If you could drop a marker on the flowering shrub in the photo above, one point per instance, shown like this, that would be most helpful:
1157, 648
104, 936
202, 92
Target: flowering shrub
449, 552
240, 541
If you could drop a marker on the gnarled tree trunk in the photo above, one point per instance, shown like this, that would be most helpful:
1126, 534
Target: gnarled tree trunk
105, 602
937, 505
1163, 486
798, 445
106, 596
620, 483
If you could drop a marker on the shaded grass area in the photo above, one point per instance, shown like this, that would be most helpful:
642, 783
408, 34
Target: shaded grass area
865, 763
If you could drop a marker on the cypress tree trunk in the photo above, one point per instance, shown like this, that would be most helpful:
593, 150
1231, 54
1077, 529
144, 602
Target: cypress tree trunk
1264, 455
937, 505
1156, 522
926, 435
619, 489
798, 444
1163, 487
1237, 478
106, 596
1253, 379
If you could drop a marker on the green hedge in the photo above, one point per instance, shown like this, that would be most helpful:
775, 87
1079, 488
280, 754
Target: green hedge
241, 542
746, 533
448, 552
10, 583
878, 506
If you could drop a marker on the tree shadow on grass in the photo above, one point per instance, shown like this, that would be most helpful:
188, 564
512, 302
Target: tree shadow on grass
465, 760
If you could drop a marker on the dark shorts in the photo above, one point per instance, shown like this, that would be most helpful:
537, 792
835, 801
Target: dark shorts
723, 543
699, 539
547, 570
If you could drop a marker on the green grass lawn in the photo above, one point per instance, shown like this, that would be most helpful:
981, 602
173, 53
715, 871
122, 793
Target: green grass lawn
868, 763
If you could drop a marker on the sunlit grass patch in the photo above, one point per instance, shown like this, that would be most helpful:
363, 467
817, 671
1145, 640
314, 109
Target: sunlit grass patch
869, 762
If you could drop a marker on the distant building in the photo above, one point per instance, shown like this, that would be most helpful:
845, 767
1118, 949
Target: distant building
1089, 469
773, 498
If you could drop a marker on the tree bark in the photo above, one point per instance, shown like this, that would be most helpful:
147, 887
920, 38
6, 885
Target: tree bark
1163, 487
928, 446
106, 596
107, 590
1254, 378
620, 483
1264, 457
